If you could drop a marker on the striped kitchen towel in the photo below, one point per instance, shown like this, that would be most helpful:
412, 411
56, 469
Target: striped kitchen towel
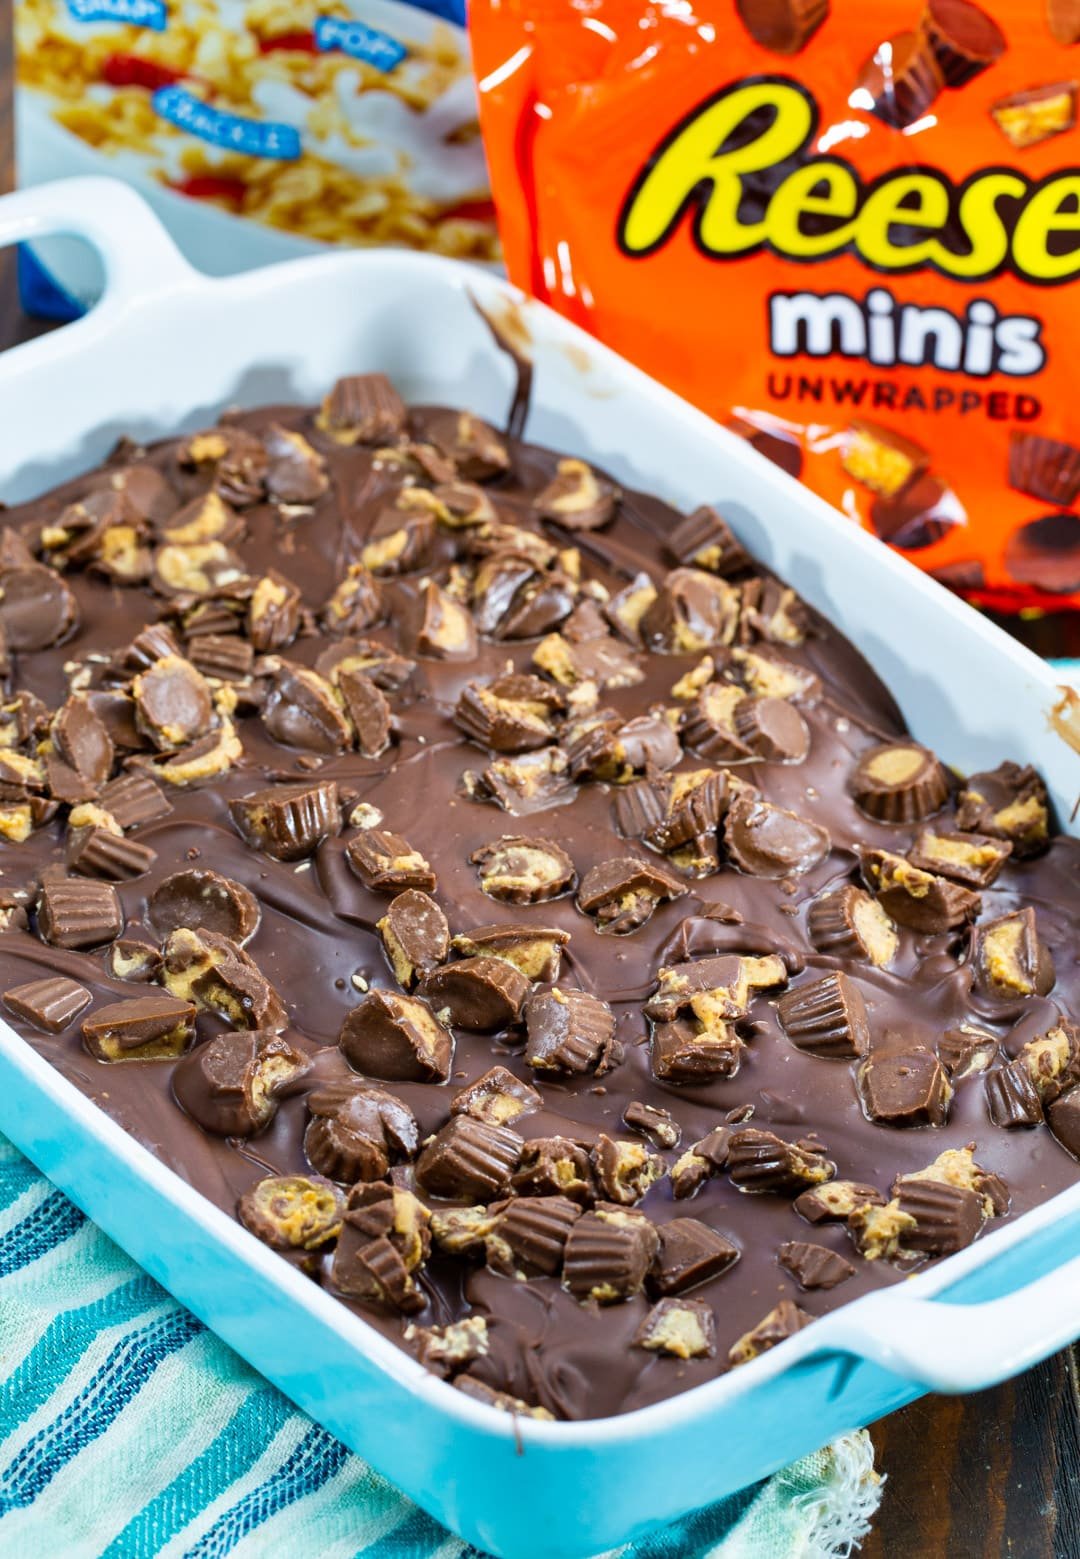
128, 1430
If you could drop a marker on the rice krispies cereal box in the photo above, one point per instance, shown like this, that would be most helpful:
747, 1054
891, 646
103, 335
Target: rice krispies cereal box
260, 129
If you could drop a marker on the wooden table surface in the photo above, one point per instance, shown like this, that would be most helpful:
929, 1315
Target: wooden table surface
968, 1477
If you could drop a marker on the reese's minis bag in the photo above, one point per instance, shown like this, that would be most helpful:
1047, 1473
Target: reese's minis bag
849, 229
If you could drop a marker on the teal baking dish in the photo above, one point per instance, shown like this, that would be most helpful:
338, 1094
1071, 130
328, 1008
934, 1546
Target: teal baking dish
165, 347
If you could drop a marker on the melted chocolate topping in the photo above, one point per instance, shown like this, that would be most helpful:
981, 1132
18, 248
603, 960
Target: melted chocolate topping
317, 941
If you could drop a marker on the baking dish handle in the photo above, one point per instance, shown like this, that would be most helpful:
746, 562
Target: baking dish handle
139, 256
950, 1346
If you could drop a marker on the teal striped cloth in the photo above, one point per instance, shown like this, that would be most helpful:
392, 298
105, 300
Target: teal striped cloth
128, 1430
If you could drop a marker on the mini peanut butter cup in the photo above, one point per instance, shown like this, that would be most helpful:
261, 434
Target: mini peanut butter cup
850, 923
814, 1266
36, 608
386, 862
767, 841
947, 1217
50, 1003
534, 949
415, 935
772, 728
1012, 1099
714, 989
296, 473
1036, 114
1063, 20
78, 912
899, 782
98, 852
497, 1097
576, 498
355, 604
690, 1253
219, 976
608, 1254
1053, 1060
436, 627
920, 515
782, 26
133, 798
554, 1166
705, 540
384, 1241
512, 714
445, 1350
973, 859
469, 1160
900, 81
530, 1235
273, 615
836, 1201
303, 710
222, 655
693, 812
519, 869
780, 1324
1045, 468
288, 821
963, 39
569, 1031
693, 610
481, 993
478, 453
621, 894
917, 898
362, 409
356, 1131
761, 1162
1046, 553
293, 1212
1010, 957
826, 1017
199, 898
624, 1171
682, 1051
679, 1328
154, 1027
1009, 802
396, 1038
906, 1087
966, 1052
655, 1124
1063, 1119
232, 1085
82, 739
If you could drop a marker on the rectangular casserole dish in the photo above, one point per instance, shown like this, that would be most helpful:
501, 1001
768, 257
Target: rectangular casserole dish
166, 349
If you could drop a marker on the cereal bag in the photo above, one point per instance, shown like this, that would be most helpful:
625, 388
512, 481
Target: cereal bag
261, 129
848, 229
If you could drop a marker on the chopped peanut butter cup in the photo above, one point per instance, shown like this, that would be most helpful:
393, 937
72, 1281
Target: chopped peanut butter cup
899, 782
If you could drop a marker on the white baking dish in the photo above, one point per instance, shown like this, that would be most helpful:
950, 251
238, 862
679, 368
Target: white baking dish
166, 349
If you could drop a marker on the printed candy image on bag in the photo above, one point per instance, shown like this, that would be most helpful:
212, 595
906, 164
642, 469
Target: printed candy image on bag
848, 229
332, 123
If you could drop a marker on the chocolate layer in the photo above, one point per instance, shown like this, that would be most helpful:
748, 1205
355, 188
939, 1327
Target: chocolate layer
729, 851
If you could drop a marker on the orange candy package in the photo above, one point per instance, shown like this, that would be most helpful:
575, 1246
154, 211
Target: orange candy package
848, 229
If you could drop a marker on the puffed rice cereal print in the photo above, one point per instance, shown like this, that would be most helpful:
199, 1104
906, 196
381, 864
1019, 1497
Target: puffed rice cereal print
336, 121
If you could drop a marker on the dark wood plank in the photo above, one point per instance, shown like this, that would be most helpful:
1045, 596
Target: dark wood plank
987, 1475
